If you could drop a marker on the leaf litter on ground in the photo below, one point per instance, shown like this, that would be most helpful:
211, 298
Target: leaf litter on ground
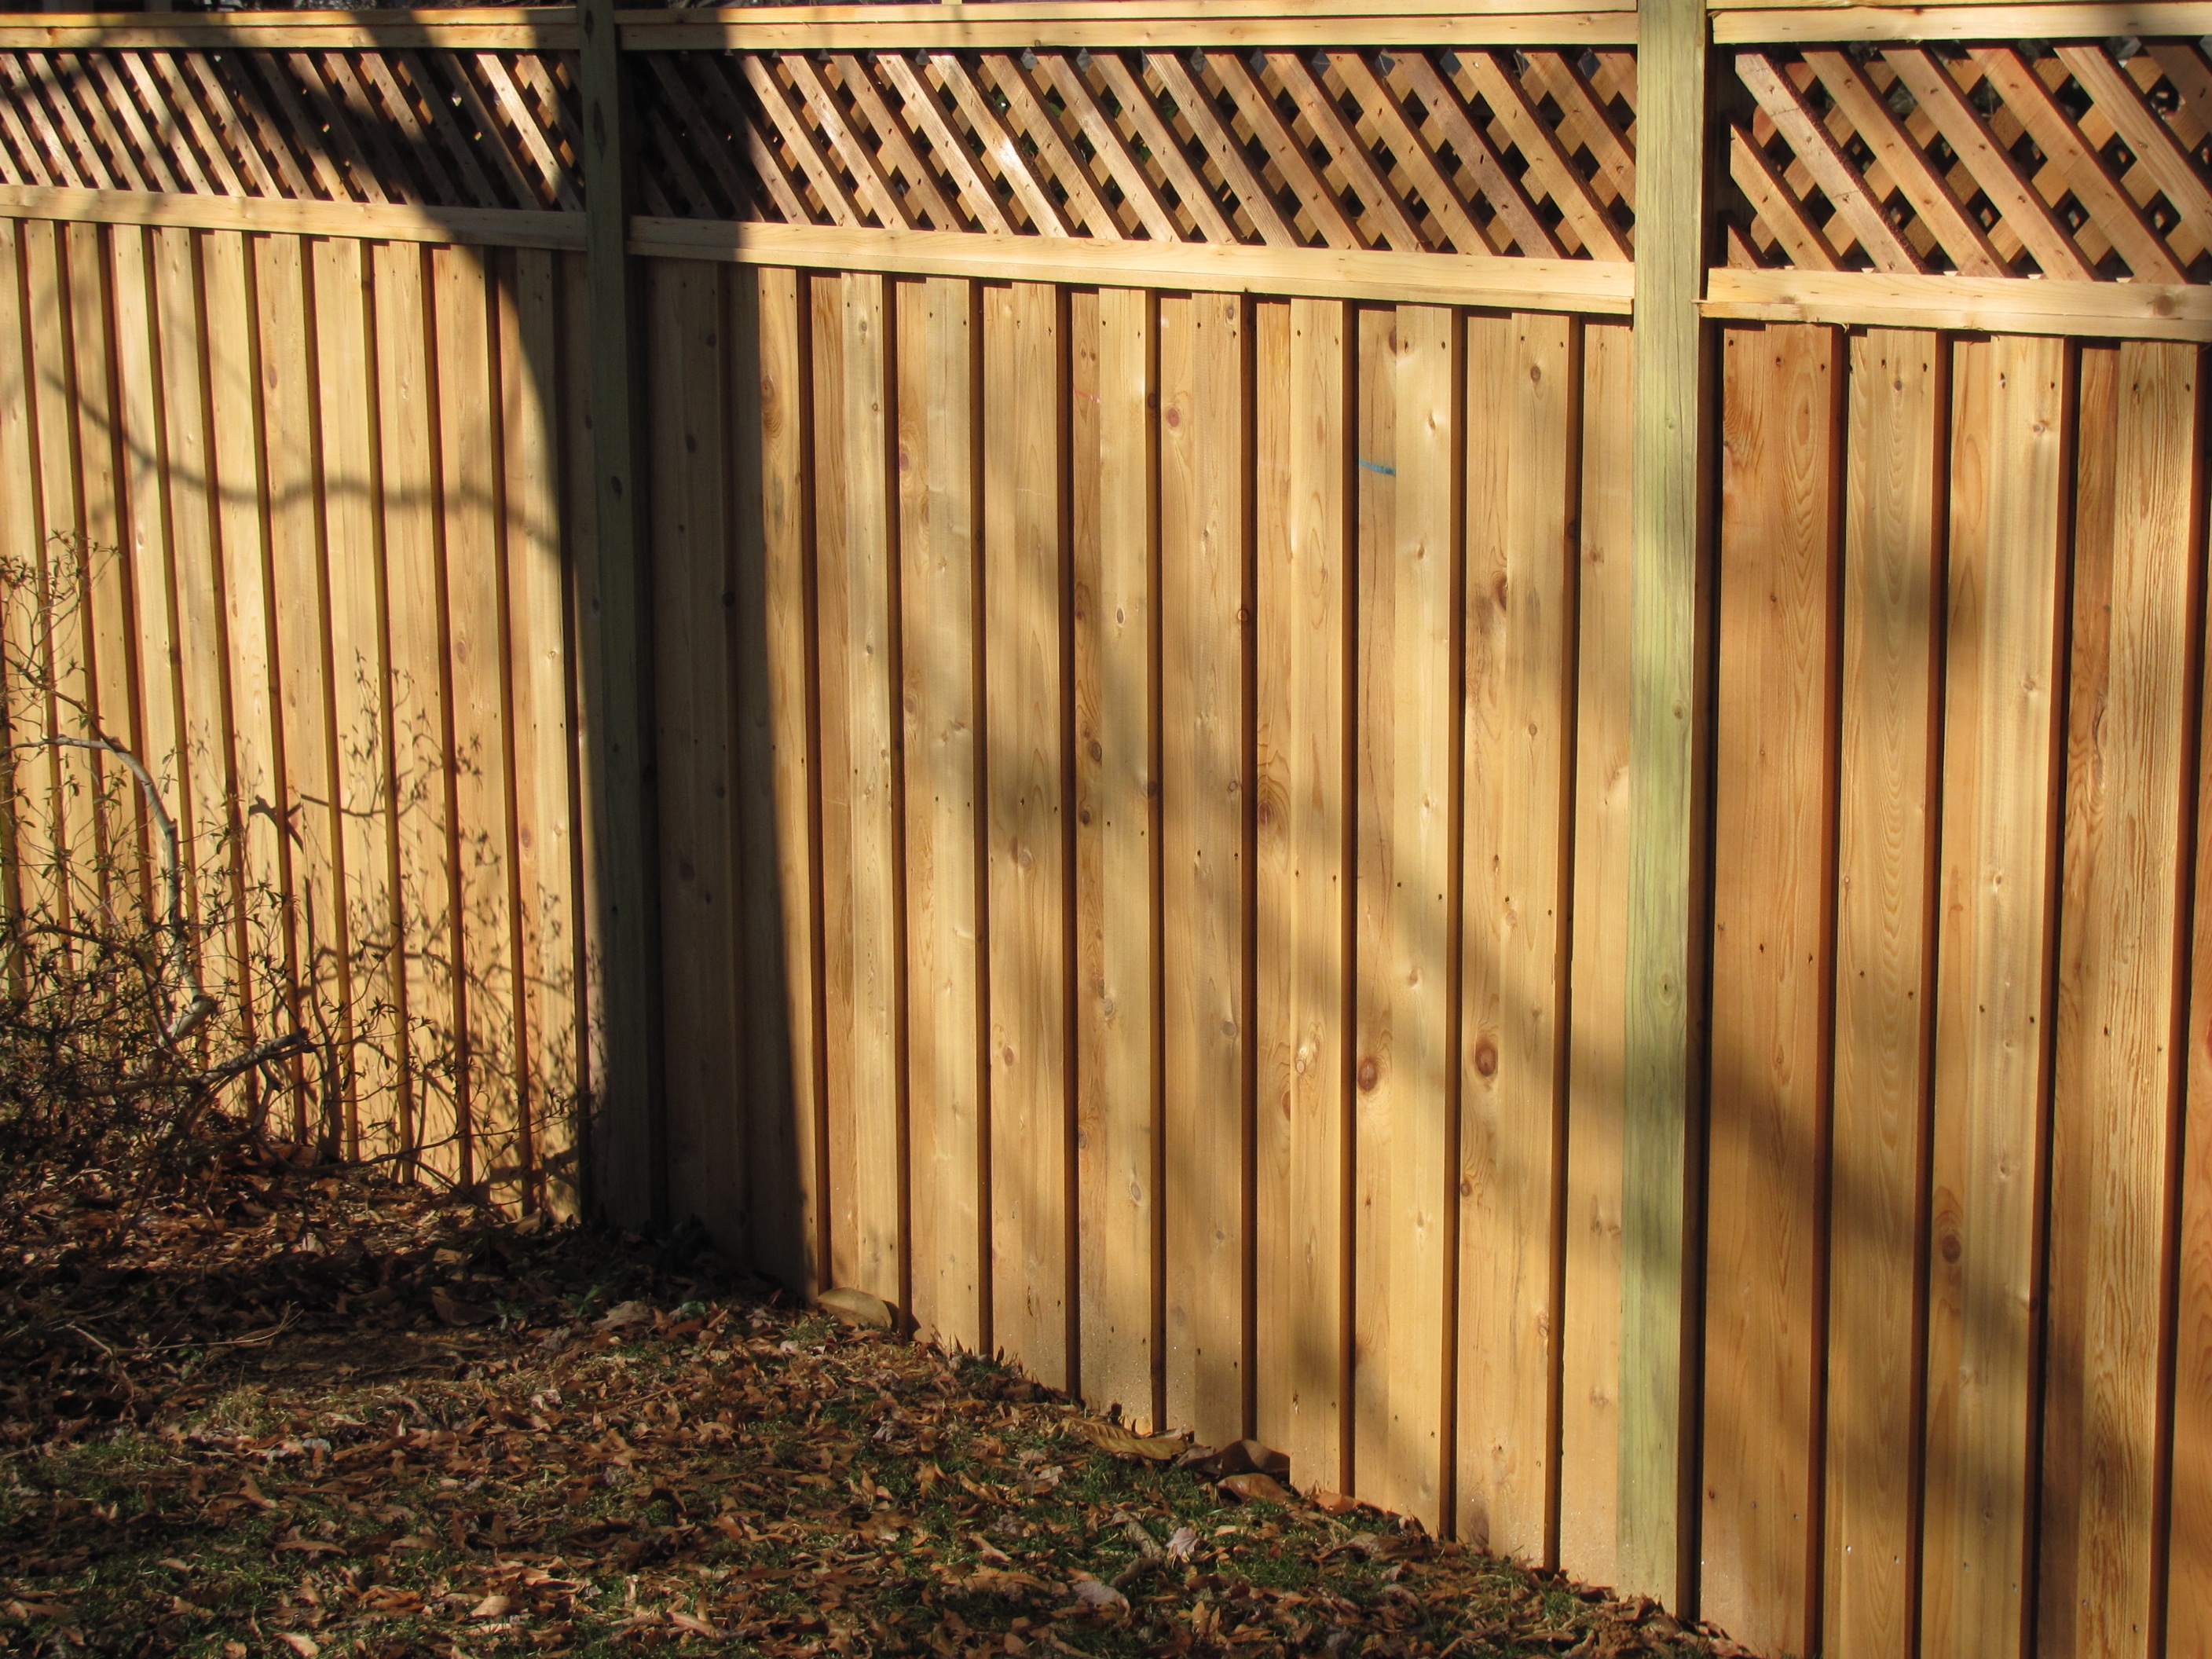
309, 1414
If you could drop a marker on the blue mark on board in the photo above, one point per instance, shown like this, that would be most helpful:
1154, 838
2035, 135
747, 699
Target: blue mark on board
1377, 466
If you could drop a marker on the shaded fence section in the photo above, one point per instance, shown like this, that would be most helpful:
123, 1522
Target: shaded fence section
317, 484
1144, 578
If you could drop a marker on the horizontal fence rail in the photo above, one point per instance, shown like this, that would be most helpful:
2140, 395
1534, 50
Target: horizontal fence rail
1158, 727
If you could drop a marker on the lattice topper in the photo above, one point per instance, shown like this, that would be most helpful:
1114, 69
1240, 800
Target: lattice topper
448, 129
2078, 162
1470, 152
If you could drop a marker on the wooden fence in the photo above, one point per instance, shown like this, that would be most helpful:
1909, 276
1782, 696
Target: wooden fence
1121, 704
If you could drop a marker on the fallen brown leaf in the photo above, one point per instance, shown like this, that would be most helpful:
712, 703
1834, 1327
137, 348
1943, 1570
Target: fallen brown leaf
1254, 1487
1116, 1441
454, 1311
858, 1308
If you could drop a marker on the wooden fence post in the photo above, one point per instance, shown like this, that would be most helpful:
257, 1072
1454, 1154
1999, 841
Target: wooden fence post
631, 1096
1668, 653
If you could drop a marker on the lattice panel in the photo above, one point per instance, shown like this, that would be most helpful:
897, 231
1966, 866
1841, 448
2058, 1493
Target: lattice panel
1470, 152
2078, 162
448, 129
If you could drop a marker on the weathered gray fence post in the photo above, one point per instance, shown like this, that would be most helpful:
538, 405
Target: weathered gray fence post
631, 1095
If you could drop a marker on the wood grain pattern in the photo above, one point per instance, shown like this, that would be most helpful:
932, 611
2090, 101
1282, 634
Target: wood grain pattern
790, 1153
857, 653
2001, 749
1114, 360
477, 643
257, 779
939, 401
1409, 458
1524, 385
422, 801
1589, 1337
299, 600
1204, 527
2138, 590
2188, 1561
701, 908
351, 486
1668, 748
1893, 600
1305, 853
28, 874
1773, 862
541, 662
1025, 577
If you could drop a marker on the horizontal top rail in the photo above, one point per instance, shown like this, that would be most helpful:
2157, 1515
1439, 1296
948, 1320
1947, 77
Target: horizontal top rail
1129, 24
482, 29
1762, 24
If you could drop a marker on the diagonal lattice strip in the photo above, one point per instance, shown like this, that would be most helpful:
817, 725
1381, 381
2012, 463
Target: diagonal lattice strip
2079, 161
1482, 154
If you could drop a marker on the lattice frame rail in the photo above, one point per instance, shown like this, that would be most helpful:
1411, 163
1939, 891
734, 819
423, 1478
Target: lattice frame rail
1924, 168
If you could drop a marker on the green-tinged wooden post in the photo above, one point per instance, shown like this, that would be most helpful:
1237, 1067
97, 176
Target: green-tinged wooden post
1667, 654
632, 1161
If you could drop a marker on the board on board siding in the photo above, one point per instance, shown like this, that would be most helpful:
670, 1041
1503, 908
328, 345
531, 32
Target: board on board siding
2001, 748
1113, 484
1893, 601
1204, 532
1524, 385
858, 687
937, 406
1590, 1342
790, 1202
1025, 581
1304, 852
1773, 861
1409, 460
2137, 593
701, 906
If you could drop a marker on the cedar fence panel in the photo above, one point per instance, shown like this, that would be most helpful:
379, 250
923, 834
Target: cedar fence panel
1148, 685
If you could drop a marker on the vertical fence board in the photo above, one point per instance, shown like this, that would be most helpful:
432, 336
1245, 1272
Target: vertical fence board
2008, 535
1893, 611
938, 589
70, 779
1024, 402
150, 637
790, 1213
1589, 1340
1773, 862
1304, 885
770, 1140
1202, 554
203, 817
2137, 600
701, 913
115, 819
257, 801
1523, 410
854, 549
540, 661
1408, 457
298, 598
2188, 1564
476, 582
1115, 506
24, 890
419, 721
351, 504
